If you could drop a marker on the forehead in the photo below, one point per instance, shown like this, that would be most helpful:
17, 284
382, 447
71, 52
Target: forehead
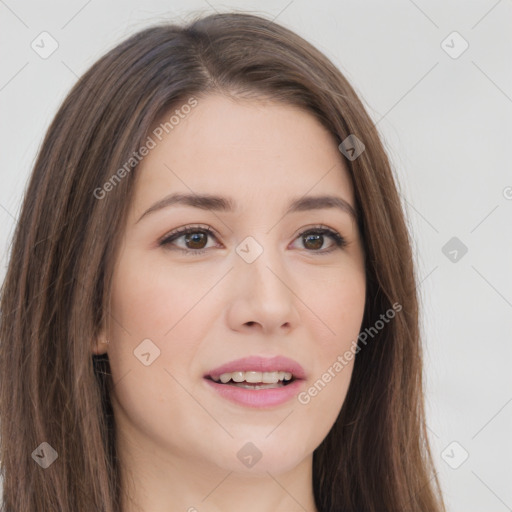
244, 149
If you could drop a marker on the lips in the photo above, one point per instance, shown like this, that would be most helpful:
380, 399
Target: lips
259, 364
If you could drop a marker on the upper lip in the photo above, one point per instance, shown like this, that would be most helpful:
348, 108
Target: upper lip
260, 364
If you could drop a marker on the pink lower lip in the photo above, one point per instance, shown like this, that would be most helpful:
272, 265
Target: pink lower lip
259, 398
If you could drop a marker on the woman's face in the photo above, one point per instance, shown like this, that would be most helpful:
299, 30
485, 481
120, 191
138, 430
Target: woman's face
256, 287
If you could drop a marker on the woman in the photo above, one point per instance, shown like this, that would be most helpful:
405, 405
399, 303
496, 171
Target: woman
210, 302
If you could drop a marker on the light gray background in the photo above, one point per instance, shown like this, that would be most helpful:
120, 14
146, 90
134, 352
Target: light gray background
447, 124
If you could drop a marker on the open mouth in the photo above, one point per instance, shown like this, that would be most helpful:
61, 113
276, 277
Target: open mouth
257, 388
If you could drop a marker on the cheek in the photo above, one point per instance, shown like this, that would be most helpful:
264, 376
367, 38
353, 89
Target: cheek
151, 299
340, 306
339, 303
173, 309
155, 323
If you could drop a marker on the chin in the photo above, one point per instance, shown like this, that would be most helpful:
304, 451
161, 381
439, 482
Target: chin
258, 458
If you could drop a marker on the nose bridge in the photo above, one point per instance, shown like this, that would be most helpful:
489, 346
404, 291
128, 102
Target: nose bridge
260, 252
263, 271
260, 270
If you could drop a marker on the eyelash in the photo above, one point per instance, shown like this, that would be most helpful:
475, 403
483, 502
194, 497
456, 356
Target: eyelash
339, 241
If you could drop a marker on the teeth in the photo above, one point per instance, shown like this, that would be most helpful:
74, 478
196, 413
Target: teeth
254, 377
263, 386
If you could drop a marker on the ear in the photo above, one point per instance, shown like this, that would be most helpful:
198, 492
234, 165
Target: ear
100, 344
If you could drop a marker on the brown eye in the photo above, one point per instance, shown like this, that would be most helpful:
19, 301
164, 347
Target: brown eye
197, 240
314, 241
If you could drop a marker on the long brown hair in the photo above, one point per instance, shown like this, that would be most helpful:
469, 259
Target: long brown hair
55, 296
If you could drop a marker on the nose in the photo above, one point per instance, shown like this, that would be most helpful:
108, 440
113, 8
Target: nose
263, 296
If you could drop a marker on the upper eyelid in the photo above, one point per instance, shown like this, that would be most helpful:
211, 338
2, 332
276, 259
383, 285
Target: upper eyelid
211, 231
183, 231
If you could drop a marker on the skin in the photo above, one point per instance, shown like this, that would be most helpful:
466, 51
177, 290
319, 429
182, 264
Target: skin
177, 438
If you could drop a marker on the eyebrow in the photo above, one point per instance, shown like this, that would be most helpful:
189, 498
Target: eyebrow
227, 204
